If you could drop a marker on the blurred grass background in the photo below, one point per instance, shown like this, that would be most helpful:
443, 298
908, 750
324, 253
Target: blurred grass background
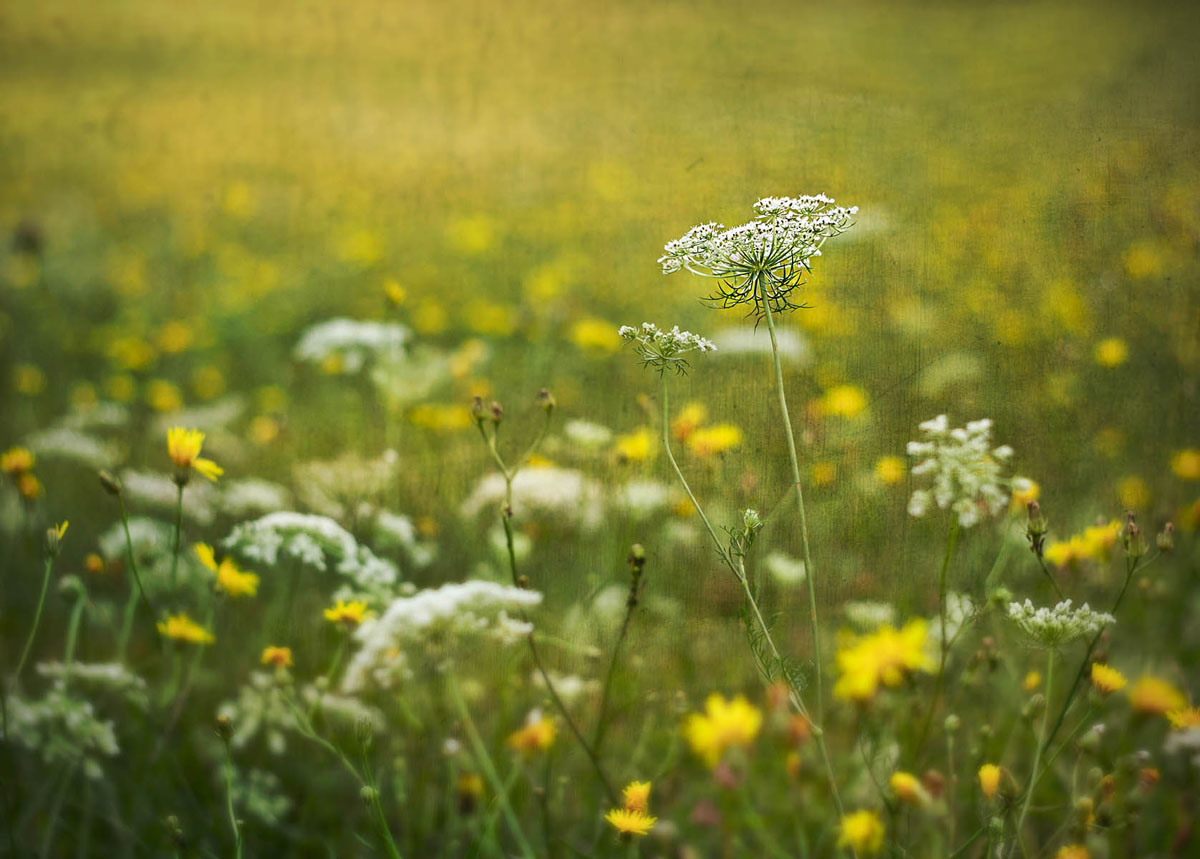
207, 179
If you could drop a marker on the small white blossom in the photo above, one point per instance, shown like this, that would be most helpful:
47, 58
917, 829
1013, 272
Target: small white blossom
965, 471
1051, 627
352, 341
562, 493
63, 730
664, 350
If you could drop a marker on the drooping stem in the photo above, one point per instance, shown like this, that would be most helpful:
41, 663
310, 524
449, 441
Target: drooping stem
810, 571
37, 619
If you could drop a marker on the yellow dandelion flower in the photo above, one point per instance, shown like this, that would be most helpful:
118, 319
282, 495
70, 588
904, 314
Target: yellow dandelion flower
908, 788
989, 779
1133, 492
29, 486
713, 440
843, 401
1107, 680
536, 735
889, 470
861, 831
636, 796
1184, 718
16, 460
883, 657
1032, 681
1154, 696
280, 657
595, 335
823, 473
725, 724
394, 291
1111, 352
183, 446
347, 613
234, 582
1098, 539
1072, 851
180, 627
93, 563
689, 419
206, 555
637, 446
629, 823
163, 396
1185, 464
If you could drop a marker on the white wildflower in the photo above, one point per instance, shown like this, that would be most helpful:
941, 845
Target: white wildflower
664, 350
587, 435
74, 446
253, 497
62, 730
562, 493
152, 489
445, 613
106, 677
1051, 627
868, 616
640, 499
354, 342
784, 568
965, 471
761, 262
793, 346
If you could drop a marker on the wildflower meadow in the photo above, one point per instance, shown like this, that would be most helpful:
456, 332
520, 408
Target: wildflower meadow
532, 429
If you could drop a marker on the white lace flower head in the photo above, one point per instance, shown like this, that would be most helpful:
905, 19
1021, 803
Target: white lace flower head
965, 469
664, 350
1052, 627
761, 262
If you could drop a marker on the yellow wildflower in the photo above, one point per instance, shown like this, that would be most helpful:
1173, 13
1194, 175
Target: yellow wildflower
595, 335
1111, 352
1133, 492
908, 788
843, 401
1072, 851
1185, 464
234, 582
29, 486
536, 735
162, 396
93, 563
280, 657
1154, 696
861, 831
1024, 490
637, 796
709, 441
29, 380
183, 446
689, 420
1107, 680
180, 627
637, 446
724, 725
16, 460
1032, 681
347, 613
629, 823
1184, 718
823, 473
884, 656
1098, 539
989, 779
441, 417
889, 470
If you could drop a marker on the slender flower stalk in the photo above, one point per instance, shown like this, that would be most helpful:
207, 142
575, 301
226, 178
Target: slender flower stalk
944, 649
637, 563
1034, 774
53, 544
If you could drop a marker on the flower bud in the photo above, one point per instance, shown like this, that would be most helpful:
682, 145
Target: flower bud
1135, 540
546, 400
364, 731
110, 484
368, 794
952, 724
1034, 708
477, 413
497, 412
224, 727
1036, 528
1166, 538
71, 588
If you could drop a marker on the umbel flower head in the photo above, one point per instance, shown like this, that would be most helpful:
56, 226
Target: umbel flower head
965, 469
664, 350
1052, 627
761, 262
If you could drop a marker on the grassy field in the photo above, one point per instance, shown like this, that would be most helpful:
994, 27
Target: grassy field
193, 194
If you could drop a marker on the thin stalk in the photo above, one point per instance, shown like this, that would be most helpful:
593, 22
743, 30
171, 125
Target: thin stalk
1037, 756
37, 619
489, 769
178, 533
127, 622
73, 634
630, 604
951, 541
233, 821
810, 571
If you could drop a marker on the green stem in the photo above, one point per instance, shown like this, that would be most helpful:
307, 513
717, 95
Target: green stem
73, 634
601, 720
233, 821
1037, 755
489, 769
37, 619
178, 533
810, 571
127, 621
951, 541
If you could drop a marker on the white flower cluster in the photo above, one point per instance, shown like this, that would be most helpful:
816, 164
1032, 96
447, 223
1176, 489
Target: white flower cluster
1051, 627
157, 490
563, 493
960, 611
261, 707
473, 607
104, 677
352, 341
664, 350
62, 730
251, 496
867, 616
315, 541
965, 469
74, 446
765, 259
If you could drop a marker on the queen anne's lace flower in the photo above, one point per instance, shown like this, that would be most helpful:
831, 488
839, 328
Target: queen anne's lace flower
760, 262
453, 610
1052, 627
351, 341
965, 468
664, 350
62, 729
